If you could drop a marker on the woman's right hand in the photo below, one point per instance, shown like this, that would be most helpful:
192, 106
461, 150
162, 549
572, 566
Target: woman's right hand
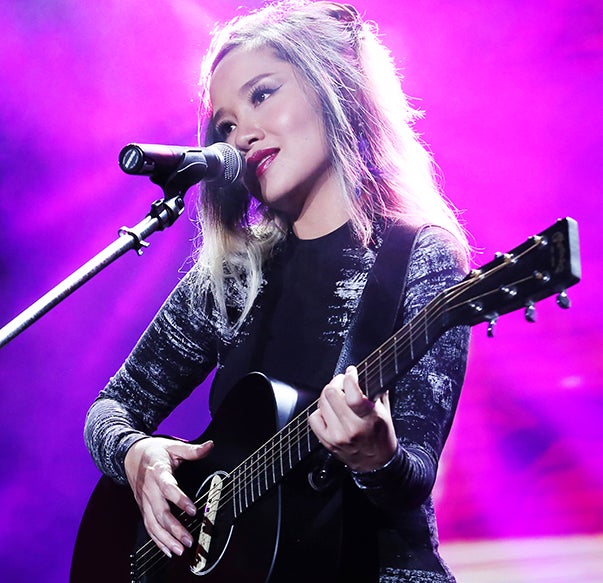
150, 465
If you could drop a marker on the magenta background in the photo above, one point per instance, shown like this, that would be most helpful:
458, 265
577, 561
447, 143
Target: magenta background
513, 96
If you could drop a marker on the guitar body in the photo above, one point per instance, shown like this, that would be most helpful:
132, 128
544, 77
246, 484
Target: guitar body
272, 540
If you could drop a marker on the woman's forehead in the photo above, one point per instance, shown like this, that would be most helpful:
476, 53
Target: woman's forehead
241, 68
242, 62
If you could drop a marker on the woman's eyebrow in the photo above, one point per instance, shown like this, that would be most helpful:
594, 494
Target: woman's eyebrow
244, 89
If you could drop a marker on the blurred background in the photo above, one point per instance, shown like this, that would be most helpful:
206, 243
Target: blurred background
512, 95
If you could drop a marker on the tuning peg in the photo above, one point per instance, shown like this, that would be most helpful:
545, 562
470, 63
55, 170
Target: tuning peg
492, 324
530, 312
563, 300
505, 257
509, 291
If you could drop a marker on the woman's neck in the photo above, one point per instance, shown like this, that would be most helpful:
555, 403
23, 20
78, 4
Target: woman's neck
323, 211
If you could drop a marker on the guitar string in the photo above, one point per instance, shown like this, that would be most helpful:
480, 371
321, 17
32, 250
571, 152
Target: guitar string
255, 467
302, 429
148, 556
435, 307
298, 429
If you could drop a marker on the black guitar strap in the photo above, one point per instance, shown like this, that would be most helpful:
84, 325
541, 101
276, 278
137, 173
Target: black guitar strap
377, 317
379, 312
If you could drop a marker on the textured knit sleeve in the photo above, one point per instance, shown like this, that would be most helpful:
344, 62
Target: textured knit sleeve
425, 399
172, 357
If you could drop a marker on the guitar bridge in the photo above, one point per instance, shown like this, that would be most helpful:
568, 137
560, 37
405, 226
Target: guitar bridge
210, 510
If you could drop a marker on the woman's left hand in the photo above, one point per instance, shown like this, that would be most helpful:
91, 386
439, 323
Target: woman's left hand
356, 430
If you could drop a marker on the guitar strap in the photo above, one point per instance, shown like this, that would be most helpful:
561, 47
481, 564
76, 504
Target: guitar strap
379, 312
378, 316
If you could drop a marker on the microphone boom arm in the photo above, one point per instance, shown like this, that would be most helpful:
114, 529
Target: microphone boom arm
163, 214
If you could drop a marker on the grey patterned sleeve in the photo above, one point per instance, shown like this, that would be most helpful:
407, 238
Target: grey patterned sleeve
425, 399
172, 357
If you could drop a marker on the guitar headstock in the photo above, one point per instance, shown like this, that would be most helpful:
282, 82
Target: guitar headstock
544, 265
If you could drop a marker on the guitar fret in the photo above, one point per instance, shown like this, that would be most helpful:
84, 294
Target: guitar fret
308, 434
280, 457
238, 491
249, 487
262, 474
411, 342
245, 487
273, 473
299, 451
269, 465
300, 434
246, 483
265, 471
252, 480
290, 449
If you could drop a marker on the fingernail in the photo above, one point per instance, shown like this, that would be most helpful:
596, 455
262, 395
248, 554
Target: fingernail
191, 510
177, 550
188, 541
167, 553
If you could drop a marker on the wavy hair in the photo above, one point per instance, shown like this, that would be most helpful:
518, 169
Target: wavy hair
384, 169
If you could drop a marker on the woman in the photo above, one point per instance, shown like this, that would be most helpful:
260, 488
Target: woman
311, 98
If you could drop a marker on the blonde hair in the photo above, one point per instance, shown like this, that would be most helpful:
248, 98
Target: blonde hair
383, 167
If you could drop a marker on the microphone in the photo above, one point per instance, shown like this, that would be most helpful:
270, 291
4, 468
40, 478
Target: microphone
220, 163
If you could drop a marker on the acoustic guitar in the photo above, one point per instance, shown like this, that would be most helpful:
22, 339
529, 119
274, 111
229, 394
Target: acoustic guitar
261, 473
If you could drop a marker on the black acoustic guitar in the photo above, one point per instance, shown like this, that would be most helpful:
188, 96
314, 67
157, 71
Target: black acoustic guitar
258, 478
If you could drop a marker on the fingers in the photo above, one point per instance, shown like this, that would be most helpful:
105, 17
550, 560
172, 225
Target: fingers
342, 405
180, 451
354, 397
343, 396
356, 430
163, 527
150, 464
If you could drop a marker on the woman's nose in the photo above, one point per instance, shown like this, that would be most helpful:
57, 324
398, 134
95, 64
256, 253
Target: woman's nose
247, 133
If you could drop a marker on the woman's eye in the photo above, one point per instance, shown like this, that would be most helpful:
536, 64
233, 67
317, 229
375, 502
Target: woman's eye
225, 128
260, 95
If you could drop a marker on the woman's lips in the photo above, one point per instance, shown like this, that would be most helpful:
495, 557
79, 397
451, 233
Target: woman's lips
261, 160
264, 165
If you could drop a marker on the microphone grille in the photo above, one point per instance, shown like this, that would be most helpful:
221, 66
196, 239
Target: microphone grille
234, 162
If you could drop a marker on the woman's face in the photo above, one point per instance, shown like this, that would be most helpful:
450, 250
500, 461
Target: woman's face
261, 107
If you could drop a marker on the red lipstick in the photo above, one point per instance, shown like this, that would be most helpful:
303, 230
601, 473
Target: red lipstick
261, 160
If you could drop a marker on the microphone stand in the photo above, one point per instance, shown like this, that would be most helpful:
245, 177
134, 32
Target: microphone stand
163, 214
